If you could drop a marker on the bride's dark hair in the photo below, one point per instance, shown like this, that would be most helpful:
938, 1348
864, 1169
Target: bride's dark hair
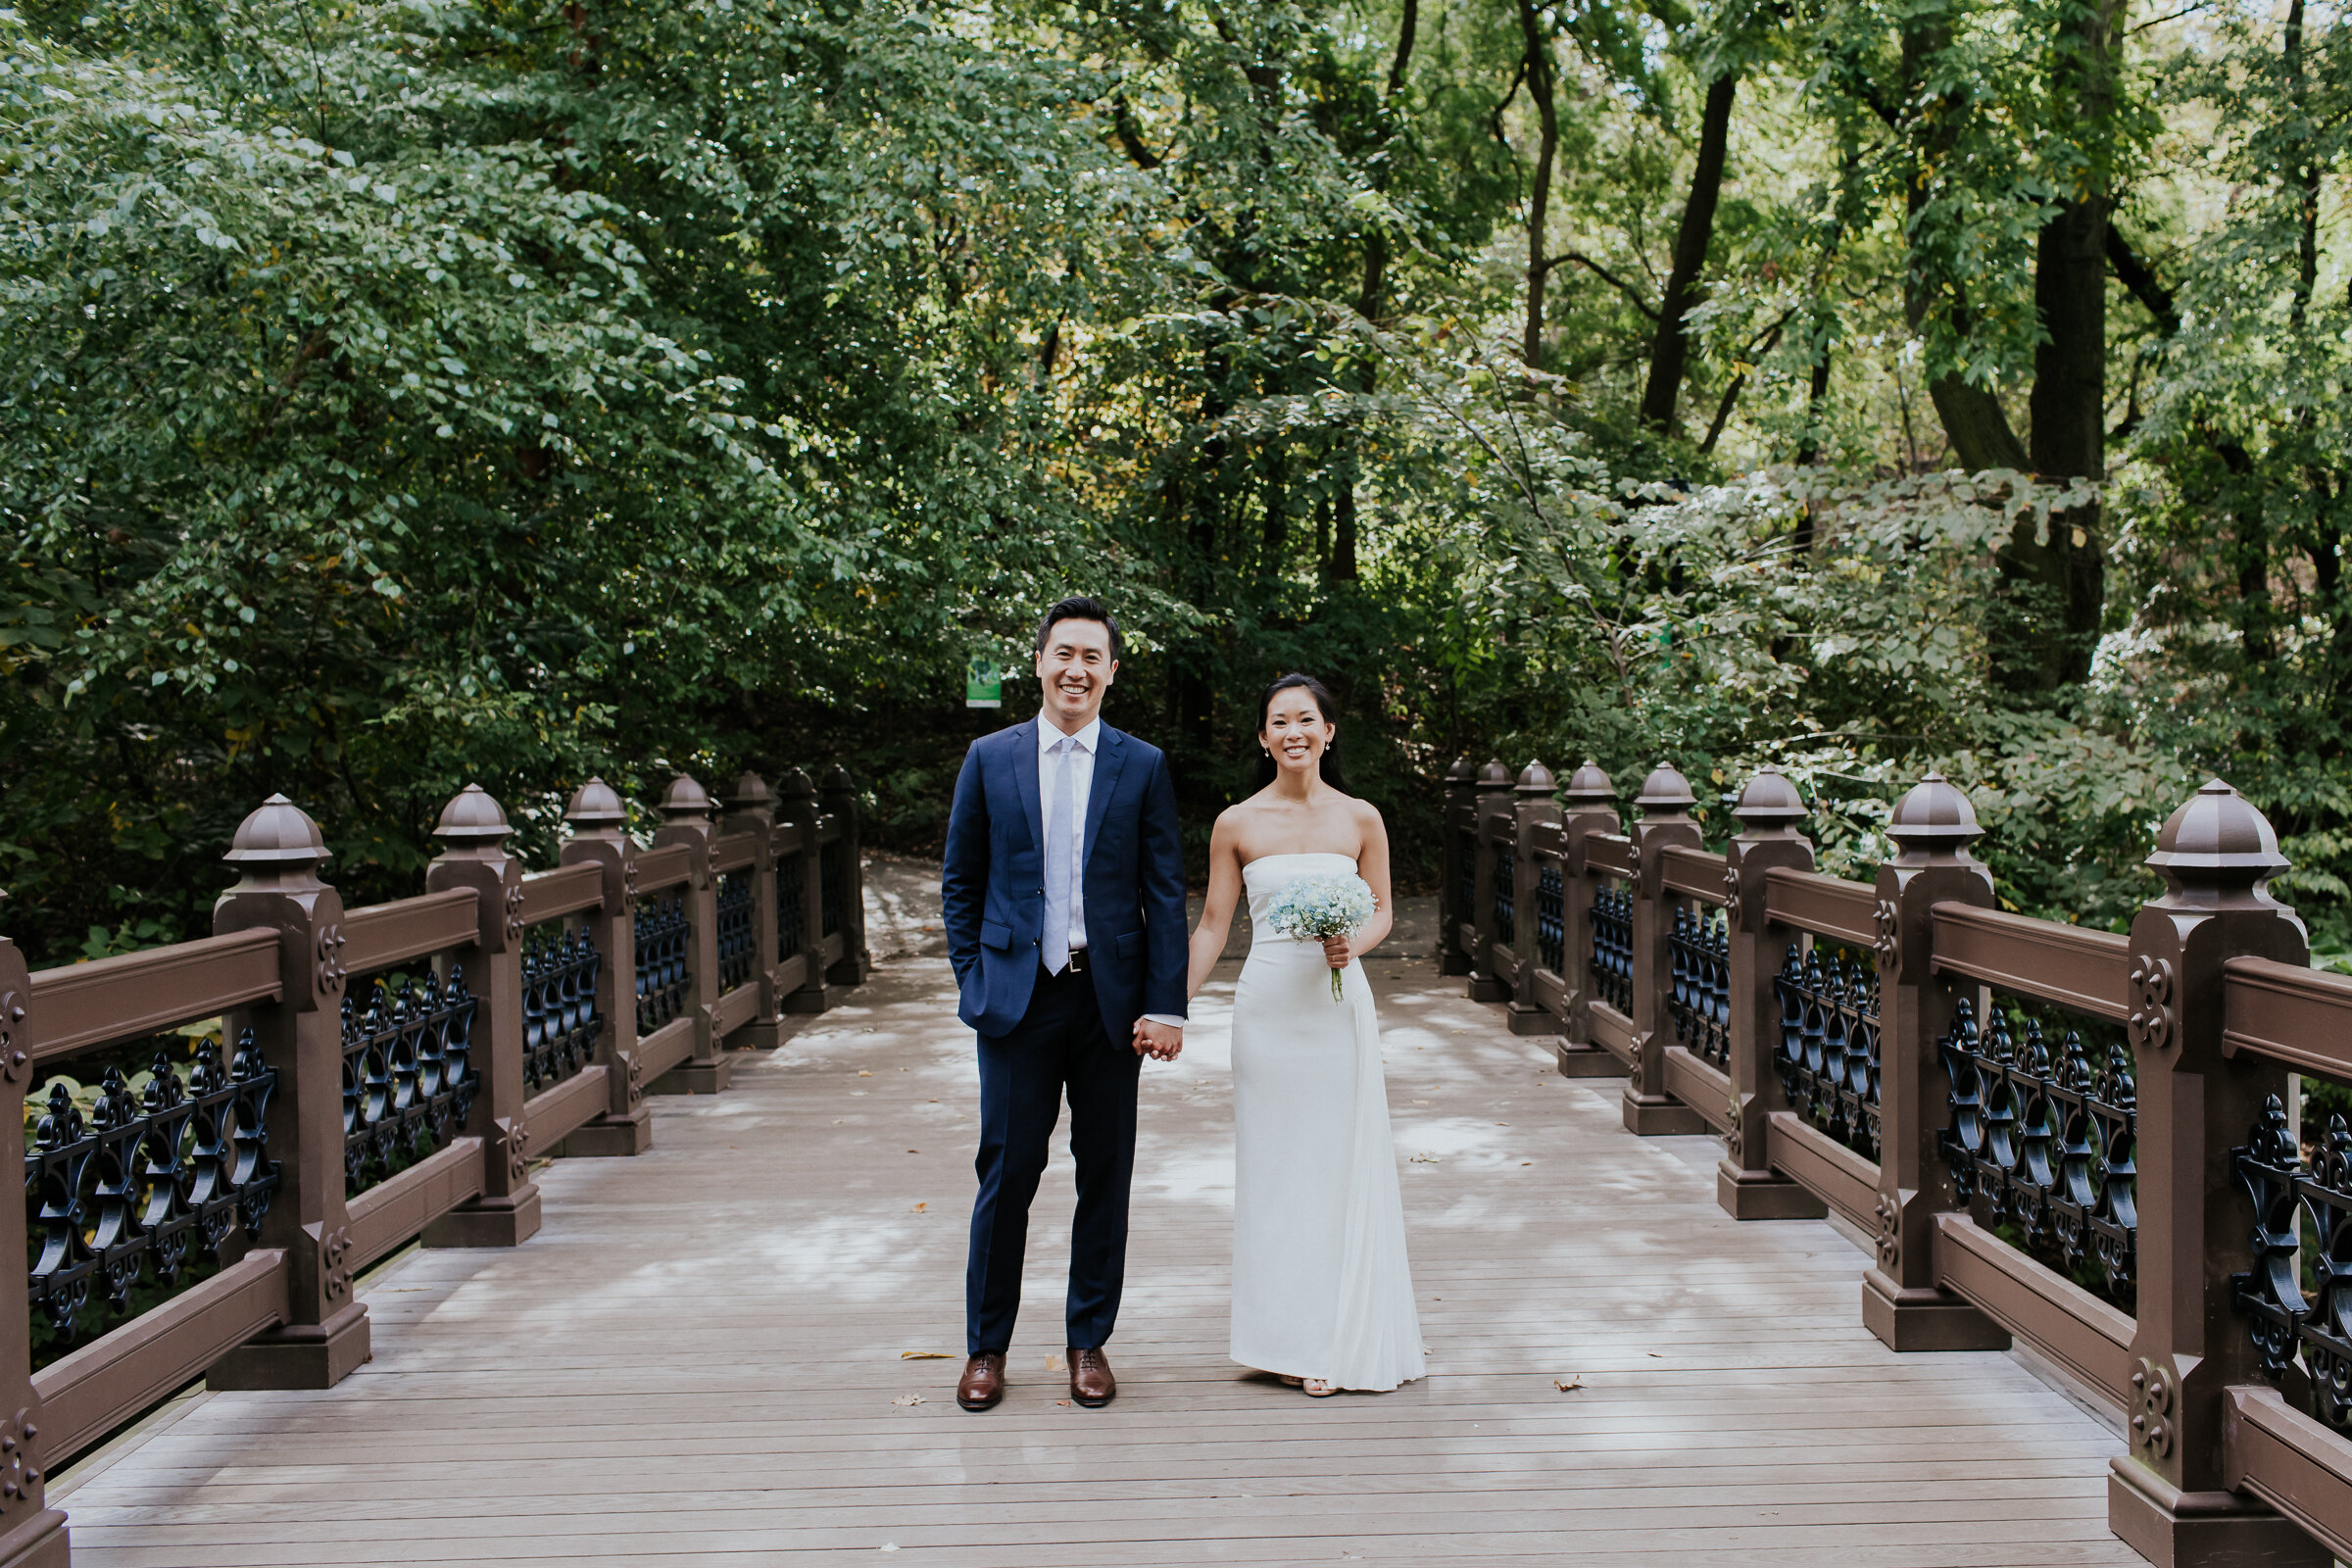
1326, 704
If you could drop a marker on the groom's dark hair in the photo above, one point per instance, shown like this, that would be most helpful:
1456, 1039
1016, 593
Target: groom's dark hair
1082, 610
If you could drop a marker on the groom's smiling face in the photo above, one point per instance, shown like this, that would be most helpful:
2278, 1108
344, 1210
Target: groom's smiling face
1075, 667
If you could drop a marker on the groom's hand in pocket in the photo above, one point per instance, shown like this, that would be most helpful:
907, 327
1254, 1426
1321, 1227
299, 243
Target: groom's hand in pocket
1158, 1040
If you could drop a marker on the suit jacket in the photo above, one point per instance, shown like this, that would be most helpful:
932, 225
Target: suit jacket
993, 894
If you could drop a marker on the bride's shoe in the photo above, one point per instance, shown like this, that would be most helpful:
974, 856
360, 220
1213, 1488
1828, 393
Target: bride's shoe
1318, 1388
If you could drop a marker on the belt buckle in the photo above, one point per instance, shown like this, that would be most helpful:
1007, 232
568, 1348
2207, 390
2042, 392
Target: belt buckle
1077, 960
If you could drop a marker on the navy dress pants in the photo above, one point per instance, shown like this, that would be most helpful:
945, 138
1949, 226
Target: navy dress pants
1059, 1047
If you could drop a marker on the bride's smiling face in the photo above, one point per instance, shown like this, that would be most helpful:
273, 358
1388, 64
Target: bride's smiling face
1297, 732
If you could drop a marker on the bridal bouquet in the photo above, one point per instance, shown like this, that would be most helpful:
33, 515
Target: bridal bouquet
1315, 908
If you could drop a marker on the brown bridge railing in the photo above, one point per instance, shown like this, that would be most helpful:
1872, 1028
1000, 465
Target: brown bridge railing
199, 1199
2073, 1137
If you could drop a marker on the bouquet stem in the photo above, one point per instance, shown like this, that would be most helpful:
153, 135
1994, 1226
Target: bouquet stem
1337, 978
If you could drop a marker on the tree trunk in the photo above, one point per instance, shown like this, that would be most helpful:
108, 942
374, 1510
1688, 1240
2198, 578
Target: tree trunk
1670, 349
1539, 206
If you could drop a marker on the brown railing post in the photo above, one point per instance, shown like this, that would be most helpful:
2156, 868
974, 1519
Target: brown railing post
1491, 824
1933, 828
1768, 812
1665, 801
33, 1534
277, 853
796, 804
752, 808
601, 835
473, 833
1588, 807
686, 809
1457, 859
840, 803
1536, 806
2167, 1498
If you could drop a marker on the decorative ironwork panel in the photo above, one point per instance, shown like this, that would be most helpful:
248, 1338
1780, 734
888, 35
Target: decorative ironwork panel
1828, 1055
791, 925
833, 876
738, 942
2286, 1325
1700, 1003
662, 928
2043, 1141
1506, 899
560, 1023
1551, 918
1612, 959
134, 1190
408, 1073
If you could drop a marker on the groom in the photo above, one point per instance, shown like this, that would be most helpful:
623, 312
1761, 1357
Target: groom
1063, 897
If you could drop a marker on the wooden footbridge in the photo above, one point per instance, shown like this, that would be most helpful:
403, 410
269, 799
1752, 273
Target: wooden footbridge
738, 1344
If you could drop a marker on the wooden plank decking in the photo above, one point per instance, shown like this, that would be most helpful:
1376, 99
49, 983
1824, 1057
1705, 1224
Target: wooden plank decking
697, 1360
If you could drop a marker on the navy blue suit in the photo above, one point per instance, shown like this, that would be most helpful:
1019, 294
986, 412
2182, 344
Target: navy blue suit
1043, 1036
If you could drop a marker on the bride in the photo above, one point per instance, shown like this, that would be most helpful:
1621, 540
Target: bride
1322, 1294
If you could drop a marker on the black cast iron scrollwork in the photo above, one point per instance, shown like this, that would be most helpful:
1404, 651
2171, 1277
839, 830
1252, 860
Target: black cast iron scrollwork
2284, 1324
1551, 918
560, 1023
791, 925
408, 1073
2043, 1140
1613, 961
1828, 1056
738, 942
1700, 1000
145, 1180
662, 928
1506, 893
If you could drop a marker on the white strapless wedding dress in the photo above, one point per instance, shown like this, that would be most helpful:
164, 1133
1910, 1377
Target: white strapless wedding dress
1321, 1288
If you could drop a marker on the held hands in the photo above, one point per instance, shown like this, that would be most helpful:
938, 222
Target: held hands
1158, 1041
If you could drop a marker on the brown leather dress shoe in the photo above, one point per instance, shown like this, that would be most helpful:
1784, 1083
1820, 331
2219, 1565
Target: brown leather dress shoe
983, 1382
1091, 1382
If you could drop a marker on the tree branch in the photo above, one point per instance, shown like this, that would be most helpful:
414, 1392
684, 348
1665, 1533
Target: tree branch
1131, 137
2132, 271
1606, 277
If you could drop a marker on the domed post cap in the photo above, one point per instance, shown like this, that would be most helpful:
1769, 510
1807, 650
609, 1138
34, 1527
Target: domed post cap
1933, 815
1665, 793
1769, 801
595, 805
277, 835
794, 784
1494, 776
750, 794
1536, 782
472, 817
1462, 772
838, 780
2218, 838
1589, 786
686, 800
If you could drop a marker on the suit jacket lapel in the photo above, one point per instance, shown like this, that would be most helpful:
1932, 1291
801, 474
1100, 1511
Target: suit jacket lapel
1108, 760
1024, 778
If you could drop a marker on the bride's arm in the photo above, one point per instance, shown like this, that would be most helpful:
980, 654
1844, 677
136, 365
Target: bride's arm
1372, 864
1217, 908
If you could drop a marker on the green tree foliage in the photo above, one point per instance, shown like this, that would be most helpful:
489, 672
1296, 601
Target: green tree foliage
406, 392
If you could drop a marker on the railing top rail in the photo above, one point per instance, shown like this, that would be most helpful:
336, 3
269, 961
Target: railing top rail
2067, 965
1697, 874
1610, 854
384, 934
2300, 1018
84, 1004
567, 890
1824, 906
789, 838
1549, 840
735, 851
664, 867
828, 828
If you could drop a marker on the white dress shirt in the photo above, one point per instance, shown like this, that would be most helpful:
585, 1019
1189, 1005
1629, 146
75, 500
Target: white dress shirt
1051, 757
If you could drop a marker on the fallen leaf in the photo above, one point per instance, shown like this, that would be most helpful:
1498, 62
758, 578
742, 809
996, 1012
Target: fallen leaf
862, 1073
1424, 1102
915, 1150
907, 1398
1655, 1355
1053, 1365
1569, 1387
1503, 1124
1425, 1160
1527, 1162
920, 1208
1065, 1403
925, 1355
838, 1120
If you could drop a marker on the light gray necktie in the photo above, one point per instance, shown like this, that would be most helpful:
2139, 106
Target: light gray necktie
1054, 946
